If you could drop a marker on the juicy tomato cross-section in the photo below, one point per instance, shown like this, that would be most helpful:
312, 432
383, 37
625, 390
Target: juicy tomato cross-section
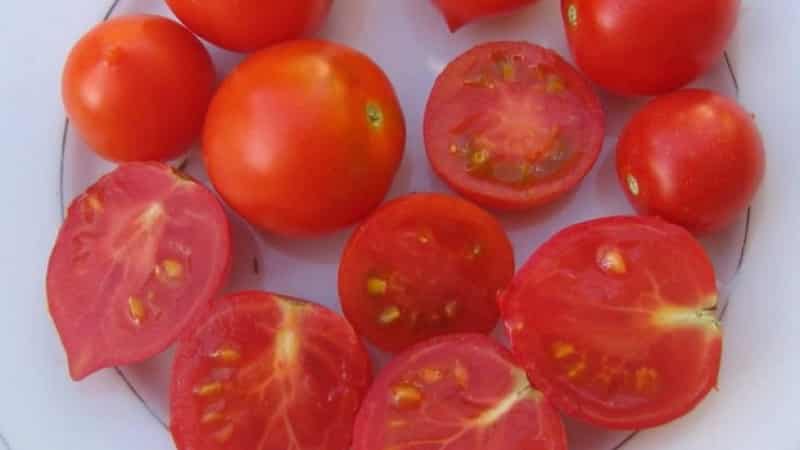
267, 372
461, 12
139, 255
422, 266
458, 392
614, 320
512, 125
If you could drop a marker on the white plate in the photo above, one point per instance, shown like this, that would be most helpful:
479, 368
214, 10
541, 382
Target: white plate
126, 409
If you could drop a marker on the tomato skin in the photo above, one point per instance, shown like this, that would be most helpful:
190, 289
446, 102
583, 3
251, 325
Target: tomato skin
137, 87
439, 262
249, 25
458, 13
261, 370
613, 319
304, 137
125, 279
693, 157
648, 47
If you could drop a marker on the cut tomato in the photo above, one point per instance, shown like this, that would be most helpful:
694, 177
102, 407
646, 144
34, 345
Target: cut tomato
140, 253
458, 13
268, 372
512, 125
423, 266
614, 320
458, 392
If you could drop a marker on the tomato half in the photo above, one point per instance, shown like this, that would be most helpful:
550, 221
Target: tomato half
248, 25
461, 12
304, 137
648, 47
139, 255
692, 157
137, 88
423, 266
512, 125
614, 320
268, 372
456, 392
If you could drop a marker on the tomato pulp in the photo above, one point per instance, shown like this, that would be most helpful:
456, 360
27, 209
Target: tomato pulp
613, 319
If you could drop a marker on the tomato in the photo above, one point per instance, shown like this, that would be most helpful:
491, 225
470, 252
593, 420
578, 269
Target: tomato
139, 255
267, 372
137, 88
461, 12
648, 47
511, 125
304, 137
456, 392
248, 25
423, 266
614, 321
693, 157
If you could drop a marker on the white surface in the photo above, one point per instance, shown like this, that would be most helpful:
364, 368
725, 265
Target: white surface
42, 409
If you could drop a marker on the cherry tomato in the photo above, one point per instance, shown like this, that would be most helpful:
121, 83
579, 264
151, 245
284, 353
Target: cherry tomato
461, 12
139, 255
456, 392
693, 157
267, 372
614, 320
512, 125
137, 88
648, 47
423, 266
248, 25
304, 137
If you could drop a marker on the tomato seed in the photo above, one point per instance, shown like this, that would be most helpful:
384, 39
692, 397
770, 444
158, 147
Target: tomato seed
211, 417
208, 389
562, 350
224, 434
633, 184
376, 286
431, 375
451, 309
137, 309
169, 269
406, 396
227, 355
461, 375
646, 379
610, 260
389, 315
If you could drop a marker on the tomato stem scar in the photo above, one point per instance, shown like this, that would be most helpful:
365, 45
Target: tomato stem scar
374, 115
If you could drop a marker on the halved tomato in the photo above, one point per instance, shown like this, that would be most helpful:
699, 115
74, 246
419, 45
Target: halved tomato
268, 372
139, 255
456, 392
614, 320
461, 12
423, 266
512, 125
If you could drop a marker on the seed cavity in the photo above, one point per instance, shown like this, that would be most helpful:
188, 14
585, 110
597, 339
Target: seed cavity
377, 287
208, 389
610, 260
137, 310
633, 184
389, 315
406, 396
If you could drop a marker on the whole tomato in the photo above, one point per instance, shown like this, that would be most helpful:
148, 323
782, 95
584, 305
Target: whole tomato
693, 157
304, 137
648, 47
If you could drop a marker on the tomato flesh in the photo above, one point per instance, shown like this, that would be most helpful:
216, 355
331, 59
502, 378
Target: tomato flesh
139, 255
461, 12
423, 266
512, 125
267, 372
614, 320
456, 392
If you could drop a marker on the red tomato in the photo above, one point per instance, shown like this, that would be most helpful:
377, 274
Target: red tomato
461, 12
137, 88
304, 137
423, 266
456, 392
512, 125
268, 372
648, 47
248, 25
693, 157
614, 321
139, 255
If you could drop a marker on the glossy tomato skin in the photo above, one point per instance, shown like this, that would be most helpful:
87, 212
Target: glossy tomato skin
693, 157
613, 319
249, 25
267, 371
422, 266
648, 47
461, 391
139, 256
512, 126
137, 88
458, 13
304, 137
